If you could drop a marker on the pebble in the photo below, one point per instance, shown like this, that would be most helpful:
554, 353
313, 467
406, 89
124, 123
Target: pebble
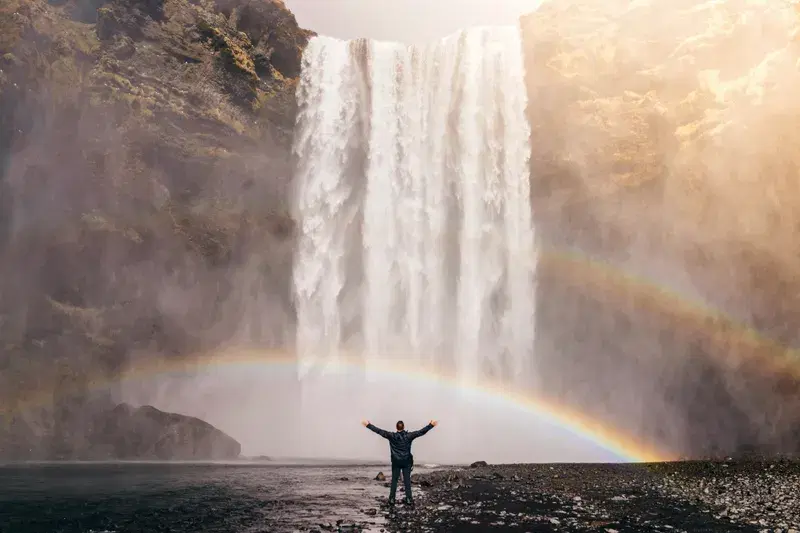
611, 498
756, 495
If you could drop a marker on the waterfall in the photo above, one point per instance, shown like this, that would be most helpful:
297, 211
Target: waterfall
416, 243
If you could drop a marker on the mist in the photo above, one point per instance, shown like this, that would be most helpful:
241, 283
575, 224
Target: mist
150, 212
145, 213
662, 162
408, 21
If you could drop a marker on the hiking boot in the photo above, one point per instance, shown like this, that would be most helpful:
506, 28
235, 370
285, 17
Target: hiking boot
410, 502
391, 501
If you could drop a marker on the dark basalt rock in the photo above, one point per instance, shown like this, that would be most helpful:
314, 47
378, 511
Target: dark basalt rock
123, 432
126, 432
734, 496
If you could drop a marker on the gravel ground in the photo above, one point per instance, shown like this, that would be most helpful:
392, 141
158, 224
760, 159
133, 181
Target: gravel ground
692, 497
765, 494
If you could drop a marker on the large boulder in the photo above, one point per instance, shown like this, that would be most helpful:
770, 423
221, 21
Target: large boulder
112, 433
665, 180
147, 433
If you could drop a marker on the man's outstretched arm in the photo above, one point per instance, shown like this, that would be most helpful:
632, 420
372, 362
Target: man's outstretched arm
420, 432
382, 432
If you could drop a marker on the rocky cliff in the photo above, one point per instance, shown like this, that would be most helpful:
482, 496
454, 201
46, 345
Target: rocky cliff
145, 156
665, 171
145, 162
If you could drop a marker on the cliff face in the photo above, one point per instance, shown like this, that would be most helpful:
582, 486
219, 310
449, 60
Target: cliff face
145, 167
665, 177
145, 157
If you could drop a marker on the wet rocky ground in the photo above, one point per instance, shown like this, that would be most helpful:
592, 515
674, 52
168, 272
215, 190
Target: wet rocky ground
734, 496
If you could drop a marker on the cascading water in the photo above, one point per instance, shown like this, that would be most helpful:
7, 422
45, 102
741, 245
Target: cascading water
416, 243
416, 238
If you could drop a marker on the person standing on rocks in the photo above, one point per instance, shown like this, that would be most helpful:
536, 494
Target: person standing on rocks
400, 449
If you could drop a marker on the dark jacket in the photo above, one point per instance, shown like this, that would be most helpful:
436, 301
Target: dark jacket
400, 443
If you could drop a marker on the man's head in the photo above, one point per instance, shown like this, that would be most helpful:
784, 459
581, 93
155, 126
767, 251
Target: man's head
400, 426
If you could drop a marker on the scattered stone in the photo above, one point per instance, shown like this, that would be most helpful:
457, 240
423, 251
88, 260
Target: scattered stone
380, 477
667, 497
752, 492
478, 464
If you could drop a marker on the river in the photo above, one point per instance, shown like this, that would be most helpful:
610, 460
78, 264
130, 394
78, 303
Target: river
187, 498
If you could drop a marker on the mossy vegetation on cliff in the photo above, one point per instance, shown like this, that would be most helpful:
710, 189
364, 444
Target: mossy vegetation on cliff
145, 155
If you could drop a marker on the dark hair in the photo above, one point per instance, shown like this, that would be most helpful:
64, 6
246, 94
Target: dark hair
400, 426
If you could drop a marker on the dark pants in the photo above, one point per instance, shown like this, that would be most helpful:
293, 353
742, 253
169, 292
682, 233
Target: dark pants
396, 469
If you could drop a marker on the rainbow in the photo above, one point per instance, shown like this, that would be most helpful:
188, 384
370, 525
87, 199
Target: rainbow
590, 430
597, 279
734, 342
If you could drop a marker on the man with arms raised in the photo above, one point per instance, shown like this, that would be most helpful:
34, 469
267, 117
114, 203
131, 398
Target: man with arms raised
400, 448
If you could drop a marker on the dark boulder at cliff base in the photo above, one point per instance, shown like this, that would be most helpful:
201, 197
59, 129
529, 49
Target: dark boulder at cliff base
127, 432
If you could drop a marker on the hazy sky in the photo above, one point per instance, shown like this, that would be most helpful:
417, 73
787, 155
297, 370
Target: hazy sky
404, 20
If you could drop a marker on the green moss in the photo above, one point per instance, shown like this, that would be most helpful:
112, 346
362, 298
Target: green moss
10, 59
66, 72
263, 98
233, 52
114, 79
85, 40
221, 115
237, 57
11, 24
